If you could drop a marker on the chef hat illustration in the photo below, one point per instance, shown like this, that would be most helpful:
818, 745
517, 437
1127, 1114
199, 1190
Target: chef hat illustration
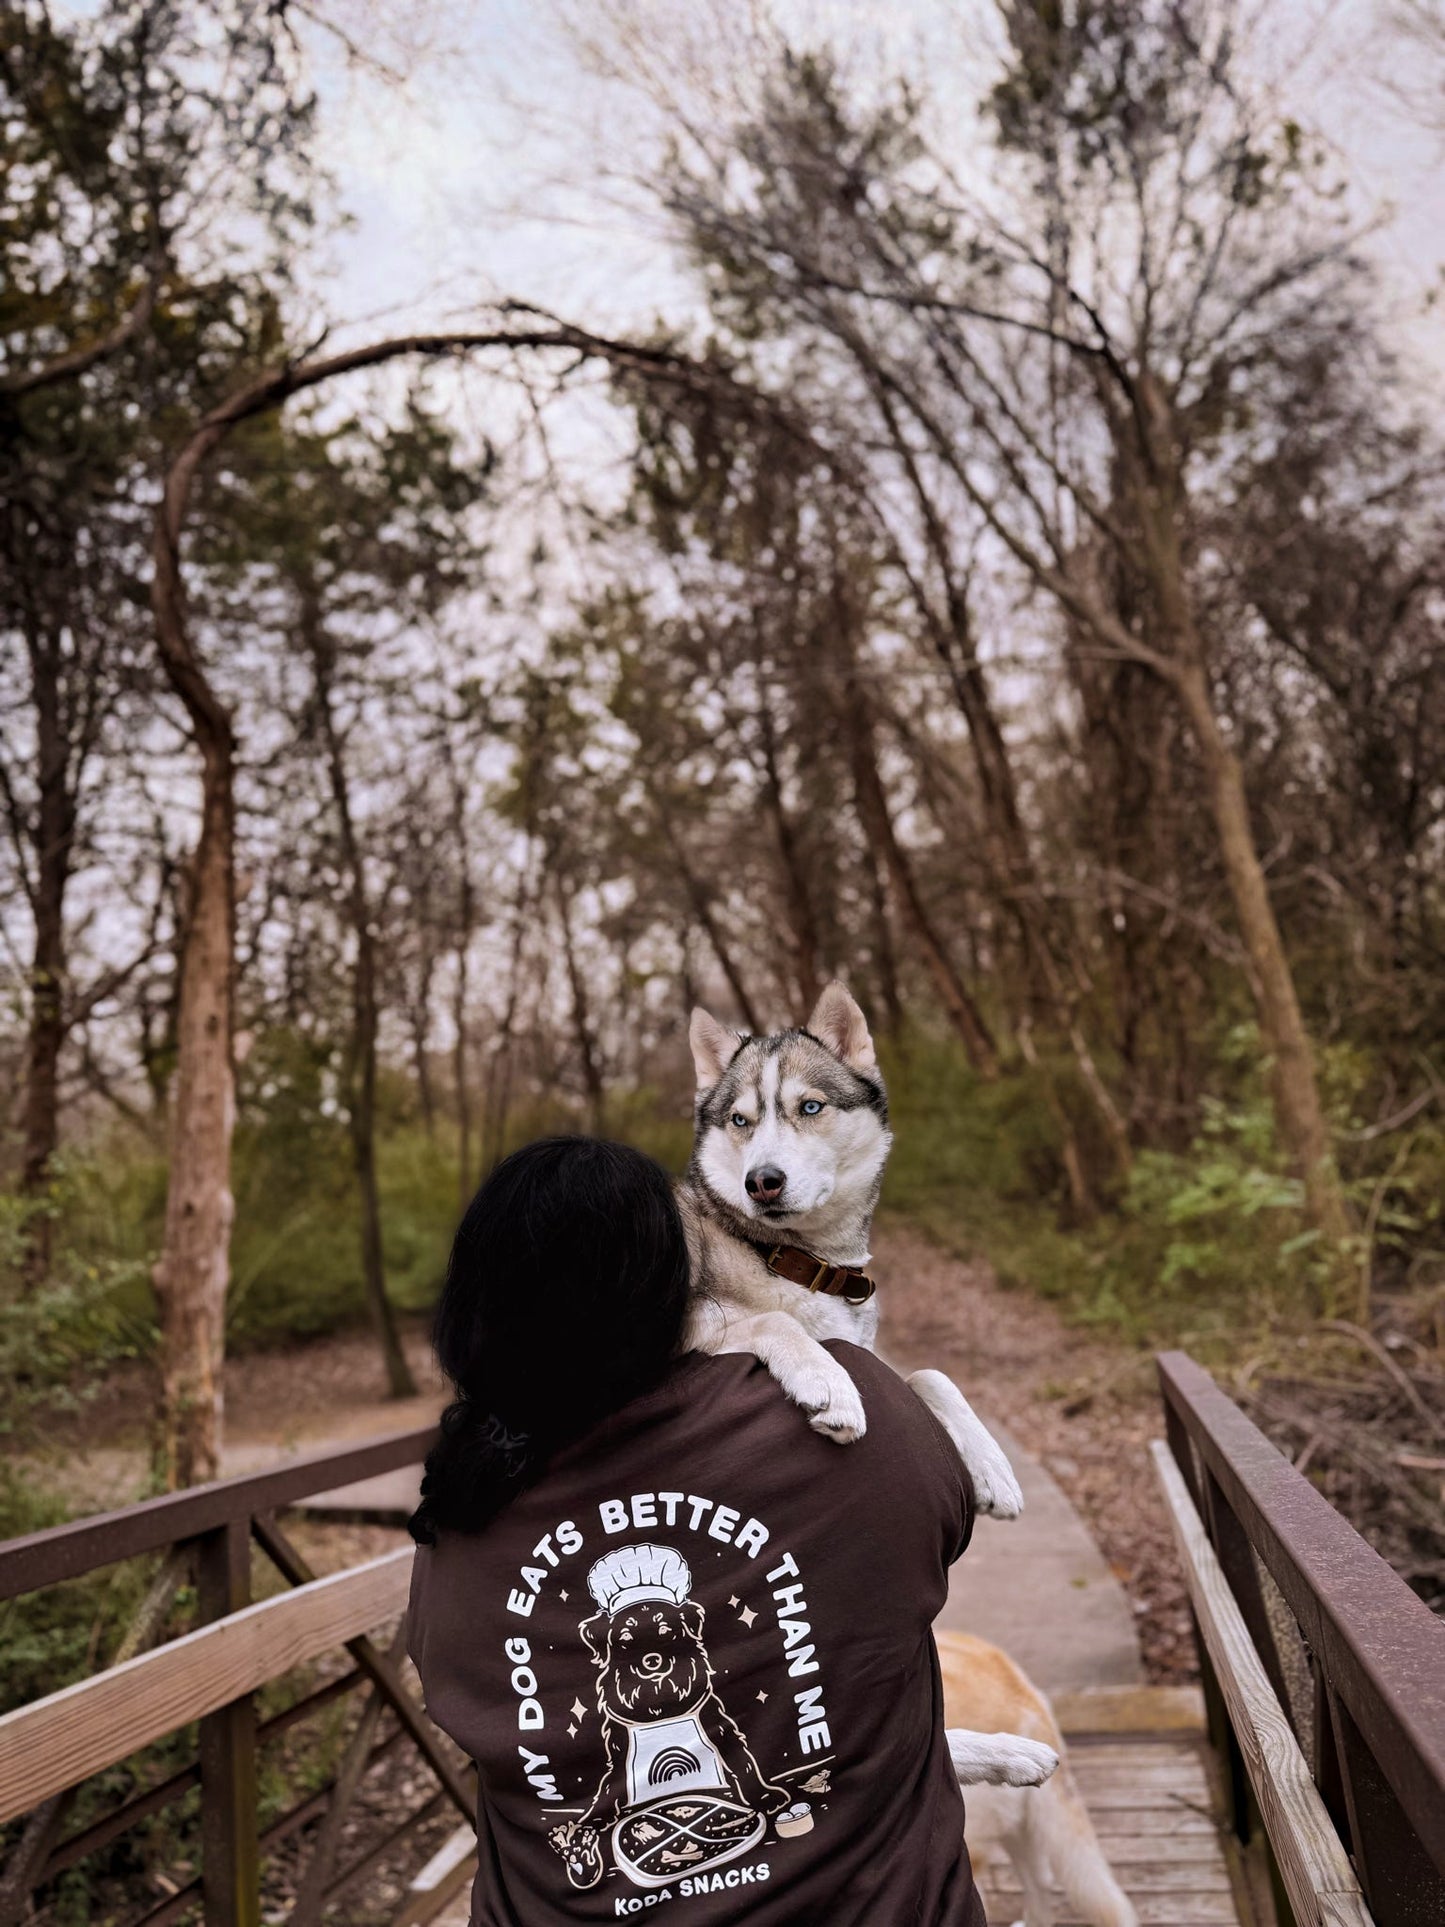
632, 1573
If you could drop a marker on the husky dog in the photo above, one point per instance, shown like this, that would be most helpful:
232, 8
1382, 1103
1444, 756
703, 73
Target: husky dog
792, 1137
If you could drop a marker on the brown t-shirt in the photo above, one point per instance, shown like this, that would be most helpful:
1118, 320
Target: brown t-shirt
694, 1666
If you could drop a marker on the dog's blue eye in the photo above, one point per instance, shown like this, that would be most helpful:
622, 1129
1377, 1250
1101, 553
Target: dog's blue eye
811, 1106
740, 1120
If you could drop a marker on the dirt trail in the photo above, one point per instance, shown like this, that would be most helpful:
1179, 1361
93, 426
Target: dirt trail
1084, 1404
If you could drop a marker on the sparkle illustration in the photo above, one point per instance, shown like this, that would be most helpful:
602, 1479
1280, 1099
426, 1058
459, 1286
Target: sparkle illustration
747, 1616
577, 1710
762, 1696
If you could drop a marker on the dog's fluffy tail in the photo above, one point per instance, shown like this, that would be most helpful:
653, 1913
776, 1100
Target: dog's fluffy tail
1064, 1838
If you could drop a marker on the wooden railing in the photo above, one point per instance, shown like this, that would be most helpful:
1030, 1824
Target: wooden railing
211, 1675
1324, 1674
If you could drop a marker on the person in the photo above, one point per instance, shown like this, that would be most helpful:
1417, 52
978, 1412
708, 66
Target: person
685, 1639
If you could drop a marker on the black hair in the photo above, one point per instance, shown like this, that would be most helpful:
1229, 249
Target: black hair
565, 1297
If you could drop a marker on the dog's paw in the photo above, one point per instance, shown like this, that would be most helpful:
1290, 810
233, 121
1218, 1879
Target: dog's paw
843, 1428
832, 1404
999, 1759
996, 1491
1028, 1763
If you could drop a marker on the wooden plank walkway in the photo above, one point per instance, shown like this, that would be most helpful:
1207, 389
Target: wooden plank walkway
1039, 1588
1153, 1808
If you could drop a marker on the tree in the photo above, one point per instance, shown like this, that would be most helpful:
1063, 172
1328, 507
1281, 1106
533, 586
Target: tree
1063, 425
377, 539
84, 267
128, 287
191, 1272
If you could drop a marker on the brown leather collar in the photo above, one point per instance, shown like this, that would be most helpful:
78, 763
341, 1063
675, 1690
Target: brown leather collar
837, 1281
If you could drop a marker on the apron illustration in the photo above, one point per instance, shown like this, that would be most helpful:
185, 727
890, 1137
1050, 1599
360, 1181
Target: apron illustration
674, 1756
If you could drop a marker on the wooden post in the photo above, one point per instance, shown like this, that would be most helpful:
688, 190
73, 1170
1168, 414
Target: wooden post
230, 1854
1236, 1556
1401, 1883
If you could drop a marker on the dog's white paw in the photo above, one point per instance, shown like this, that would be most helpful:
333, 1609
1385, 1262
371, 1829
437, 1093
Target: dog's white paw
844, 1427
996, 1491
832, 1404
1030, 1763
999, 1759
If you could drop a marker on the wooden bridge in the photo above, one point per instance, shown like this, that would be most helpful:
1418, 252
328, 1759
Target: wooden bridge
1324, 1680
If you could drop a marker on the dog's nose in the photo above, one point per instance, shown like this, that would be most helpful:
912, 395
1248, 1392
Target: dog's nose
765, 1182
651, 1662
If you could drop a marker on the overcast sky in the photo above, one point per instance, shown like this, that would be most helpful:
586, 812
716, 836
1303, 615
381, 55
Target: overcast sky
484, 172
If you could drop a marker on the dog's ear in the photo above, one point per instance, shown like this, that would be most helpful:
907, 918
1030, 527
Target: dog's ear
837, 1022
692, 1617
594, 1635
713, 1046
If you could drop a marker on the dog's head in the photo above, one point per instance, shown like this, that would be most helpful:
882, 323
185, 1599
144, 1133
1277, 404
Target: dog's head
792, 1129
652, 1659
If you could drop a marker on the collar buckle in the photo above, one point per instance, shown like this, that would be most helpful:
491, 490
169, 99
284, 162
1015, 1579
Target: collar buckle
837, 1281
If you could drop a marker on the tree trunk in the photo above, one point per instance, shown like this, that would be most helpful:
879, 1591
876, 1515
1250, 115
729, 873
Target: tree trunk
461, 1074
42, 1079
461, 983
798, 902
498, 1092
885, 961
193, 1270
419, 1017
1299, 1115
361, 1055
362, 1107
55, 832
1081, 1192
963, 1013
191, 1274
700, 900
592, 1079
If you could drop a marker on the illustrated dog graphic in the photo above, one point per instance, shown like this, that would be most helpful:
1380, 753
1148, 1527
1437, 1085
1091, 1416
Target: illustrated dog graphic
680, 1791
791, 1140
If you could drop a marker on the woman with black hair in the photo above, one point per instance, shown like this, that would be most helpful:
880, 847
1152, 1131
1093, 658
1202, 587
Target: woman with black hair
685, 1639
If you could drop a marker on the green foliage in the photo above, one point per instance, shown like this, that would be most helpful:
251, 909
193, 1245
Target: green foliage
295, 1249
52, 1638
96, 1308
1221, 1222
1203, 1242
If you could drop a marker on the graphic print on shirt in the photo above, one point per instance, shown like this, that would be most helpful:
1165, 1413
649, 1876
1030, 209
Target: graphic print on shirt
681, 1792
